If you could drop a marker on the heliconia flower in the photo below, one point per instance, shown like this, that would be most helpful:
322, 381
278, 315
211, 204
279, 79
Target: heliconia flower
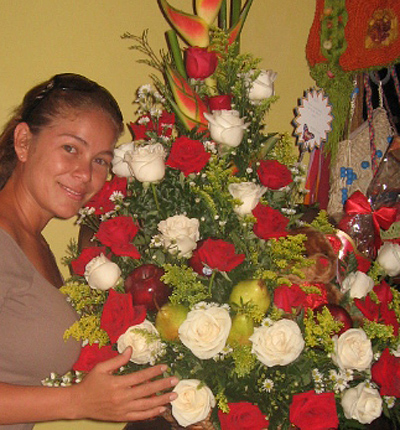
193, 29
208, 9
190, 105
237, 28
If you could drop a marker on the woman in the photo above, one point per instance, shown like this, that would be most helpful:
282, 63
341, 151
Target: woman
55, 153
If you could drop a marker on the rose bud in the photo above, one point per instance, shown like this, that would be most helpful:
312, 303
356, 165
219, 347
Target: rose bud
200, 62
223, 102
101, 273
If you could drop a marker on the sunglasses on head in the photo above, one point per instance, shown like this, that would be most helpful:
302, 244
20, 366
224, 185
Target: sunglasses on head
70, 82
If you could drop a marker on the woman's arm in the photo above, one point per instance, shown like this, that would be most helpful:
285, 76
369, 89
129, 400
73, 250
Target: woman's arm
100, 396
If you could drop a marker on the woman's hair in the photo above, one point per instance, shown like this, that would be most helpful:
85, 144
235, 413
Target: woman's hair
48, 100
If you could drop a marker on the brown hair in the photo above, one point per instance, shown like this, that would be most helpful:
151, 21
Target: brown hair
48, 100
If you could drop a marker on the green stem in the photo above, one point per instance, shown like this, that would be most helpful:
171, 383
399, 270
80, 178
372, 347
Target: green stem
235, 11
211, 282
176, 52
153, 188
222, 16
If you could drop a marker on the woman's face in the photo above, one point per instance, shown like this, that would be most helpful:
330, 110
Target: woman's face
66, 163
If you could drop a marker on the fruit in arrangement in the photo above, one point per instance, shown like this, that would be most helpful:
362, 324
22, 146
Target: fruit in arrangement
339, 314
251, 291
168, 320
242, 328
146, 288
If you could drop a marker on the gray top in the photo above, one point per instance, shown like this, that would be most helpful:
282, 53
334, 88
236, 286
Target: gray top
33, 318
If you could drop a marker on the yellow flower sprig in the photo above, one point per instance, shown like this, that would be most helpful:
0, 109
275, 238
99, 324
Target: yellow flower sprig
88, 328
319, 329
187, 289
244, 360
82, 296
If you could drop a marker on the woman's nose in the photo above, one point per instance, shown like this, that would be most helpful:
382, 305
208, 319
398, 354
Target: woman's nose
83, 170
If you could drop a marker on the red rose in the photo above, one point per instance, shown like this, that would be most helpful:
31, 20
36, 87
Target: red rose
187, 155
163, 126
242, 416
87, 255
314, 411
315, 299
363, 263
119, 314
220, 255
200, 62
270, 222
273, 174
91, 355
386, 373
369, 308
117, 233
379, 312
220, 102
101, 201
286, 297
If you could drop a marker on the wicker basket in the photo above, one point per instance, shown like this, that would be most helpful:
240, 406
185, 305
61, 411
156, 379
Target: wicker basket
352, 153
202, 425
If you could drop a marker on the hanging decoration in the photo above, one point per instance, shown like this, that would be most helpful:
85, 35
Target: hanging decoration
348, 42
313, 120
347, 38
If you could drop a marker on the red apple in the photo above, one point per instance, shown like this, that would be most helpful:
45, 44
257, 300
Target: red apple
339, 314
146, 288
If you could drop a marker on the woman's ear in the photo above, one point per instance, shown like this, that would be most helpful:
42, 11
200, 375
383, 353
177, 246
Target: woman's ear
22, 140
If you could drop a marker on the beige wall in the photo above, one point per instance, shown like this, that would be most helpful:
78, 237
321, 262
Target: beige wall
40, 38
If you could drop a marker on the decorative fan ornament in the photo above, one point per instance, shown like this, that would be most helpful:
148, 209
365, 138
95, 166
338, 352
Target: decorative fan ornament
313, 120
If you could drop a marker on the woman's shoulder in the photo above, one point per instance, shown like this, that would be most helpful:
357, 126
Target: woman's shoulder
11, 254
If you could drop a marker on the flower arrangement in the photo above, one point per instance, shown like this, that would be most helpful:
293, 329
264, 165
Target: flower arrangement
199, 258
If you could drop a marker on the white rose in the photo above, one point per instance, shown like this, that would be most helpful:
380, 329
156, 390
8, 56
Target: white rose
120, 163
180, 234
359, 284
362, 403
249, 193
194, 402
205, 331
278, 344
353, 350
226, 127
101, 273
389, 258
263, 87
147, 162
144, 340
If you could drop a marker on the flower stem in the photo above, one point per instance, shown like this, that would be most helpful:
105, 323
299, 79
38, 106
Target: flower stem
153, 188
222, 16
235, 11
211, 282
176, 52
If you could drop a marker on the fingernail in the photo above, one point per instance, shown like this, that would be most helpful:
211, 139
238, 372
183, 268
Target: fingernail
162, 409
173, 396
174, 381
164, 368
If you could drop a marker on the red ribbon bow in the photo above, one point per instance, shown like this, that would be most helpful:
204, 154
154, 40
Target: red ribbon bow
382, 218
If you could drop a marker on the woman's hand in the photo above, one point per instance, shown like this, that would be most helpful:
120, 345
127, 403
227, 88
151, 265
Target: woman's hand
102, 395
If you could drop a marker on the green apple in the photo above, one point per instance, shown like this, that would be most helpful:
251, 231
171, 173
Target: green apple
251, 290
168, 320
242, 328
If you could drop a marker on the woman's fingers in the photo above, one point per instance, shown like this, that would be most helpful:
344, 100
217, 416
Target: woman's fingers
113, 364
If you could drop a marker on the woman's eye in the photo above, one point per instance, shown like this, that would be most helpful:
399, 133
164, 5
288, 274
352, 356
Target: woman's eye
69, 148
102, 162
